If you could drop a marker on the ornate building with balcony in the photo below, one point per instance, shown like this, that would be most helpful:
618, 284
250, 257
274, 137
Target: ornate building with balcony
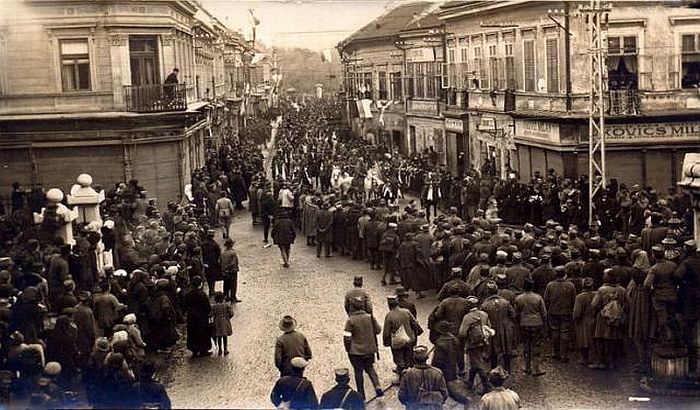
522, 70
83, 90
374, 77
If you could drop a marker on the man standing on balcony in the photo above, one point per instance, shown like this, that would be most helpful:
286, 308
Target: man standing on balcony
170, 84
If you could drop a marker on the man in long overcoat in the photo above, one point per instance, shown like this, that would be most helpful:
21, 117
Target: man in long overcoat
198, 308
324, 230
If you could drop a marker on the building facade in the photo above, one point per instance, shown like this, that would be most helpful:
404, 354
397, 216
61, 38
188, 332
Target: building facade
525, 84
82, 91
375, 84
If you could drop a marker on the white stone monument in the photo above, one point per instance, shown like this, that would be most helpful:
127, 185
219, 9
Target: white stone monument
85, 200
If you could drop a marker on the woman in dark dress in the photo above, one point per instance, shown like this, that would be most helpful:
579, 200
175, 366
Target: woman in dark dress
198, 309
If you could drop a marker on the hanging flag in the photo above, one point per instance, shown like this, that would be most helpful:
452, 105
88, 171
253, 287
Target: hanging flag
327, 55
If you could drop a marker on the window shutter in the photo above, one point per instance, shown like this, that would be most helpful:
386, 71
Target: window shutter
552, 65
529, 65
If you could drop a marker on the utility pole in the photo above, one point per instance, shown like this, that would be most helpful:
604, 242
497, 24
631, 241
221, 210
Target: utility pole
596, 21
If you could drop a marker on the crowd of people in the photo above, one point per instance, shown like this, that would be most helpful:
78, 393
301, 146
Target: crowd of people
512, 266
91, 319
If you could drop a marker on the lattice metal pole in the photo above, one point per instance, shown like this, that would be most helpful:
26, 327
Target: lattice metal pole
597, 17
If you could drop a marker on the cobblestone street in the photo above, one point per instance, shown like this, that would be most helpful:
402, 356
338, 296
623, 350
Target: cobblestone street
312, 291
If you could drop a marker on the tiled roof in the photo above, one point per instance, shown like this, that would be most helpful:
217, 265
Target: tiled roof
390, 22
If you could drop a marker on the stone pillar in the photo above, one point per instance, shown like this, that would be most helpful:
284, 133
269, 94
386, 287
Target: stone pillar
86, 200
64, 215
86, 205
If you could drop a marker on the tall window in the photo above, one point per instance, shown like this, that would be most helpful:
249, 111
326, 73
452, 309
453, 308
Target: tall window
493, 66
420, 80
622, 63
367, 83
410, 80
383, 95
464, 62
143, 57
690, 61
529, 65
396, 91
481, 81
75, 65
510, 67
552, 65
451, 67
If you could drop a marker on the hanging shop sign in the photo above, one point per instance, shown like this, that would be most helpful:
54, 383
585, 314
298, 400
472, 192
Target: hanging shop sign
420, 55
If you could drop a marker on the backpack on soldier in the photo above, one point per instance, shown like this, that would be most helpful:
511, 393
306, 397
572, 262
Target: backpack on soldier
477, 335
612, 312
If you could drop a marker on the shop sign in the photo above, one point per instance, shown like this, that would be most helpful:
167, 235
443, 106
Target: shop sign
420, 55
454, 125
652, 132
428, 107
538, 130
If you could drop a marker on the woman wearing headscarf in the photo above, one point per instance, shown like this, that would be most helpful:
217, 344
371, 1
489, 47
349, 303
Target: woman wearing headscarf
641, 314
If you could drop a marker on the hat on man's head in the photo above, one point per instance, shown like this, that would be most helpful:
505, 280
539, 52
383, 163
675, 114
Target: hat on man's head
498, 375
52, 369
342, 374
299, 362
420, 353
102, 344
287, 324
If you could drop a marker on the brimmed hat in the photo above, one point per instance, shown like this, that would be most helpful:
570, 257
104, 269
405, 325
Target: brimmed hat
130, 318
287, 324
52, 369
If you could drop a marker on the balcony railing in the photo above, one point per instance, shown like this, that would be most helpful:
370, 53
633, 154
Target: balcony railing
155, 98
623, 102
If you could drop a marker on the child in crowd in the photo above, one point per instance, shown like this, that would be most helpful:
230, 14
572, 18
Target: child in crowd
223, 312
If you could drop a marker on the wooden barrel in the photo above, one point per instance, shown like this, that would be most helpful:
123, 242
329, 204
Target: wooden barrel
669, 363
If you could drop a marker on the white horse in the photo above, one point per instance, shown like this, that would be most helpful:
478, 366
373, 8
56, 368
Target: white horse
340, 180
372, 184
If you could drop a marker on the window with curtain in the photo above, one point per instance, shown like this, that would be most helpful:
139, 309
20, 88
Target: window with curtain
510, 67
529, 65
622, 63
367, 83
464, 68
690, 60
75, 65
552, 50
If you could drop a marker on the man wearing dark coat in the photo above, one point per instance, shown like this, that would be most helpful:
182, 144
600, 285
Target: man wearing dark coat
294, 388
290, 345
162, 318
198, 308
342, 396
211, 256
324, 230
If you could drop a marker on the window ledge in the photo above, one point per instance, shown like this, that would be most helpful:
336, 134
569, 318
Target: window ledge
61, 94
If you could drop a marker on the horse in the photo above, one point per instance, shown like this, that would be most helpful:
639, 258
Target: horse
341, 181
372, 185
